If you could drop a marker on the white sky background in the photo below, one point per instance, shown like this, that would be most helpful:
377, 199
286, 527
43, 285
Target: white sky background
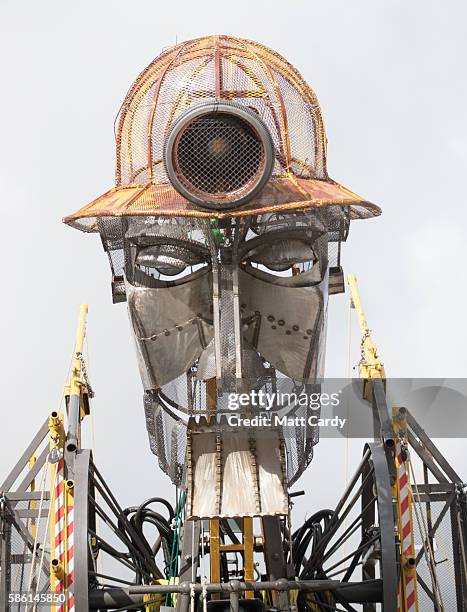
391, 79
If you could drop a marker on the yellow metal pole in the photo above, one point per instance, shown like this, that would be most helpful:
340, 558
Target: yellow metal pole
248, 557
370, 365
214, 553
74, 386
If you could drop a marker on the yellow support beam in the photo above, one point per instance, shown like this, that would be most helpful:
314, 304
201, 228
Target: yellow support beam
77, 389
370, 365
73, 385
246, 548
215, 553
77, 383
248, 556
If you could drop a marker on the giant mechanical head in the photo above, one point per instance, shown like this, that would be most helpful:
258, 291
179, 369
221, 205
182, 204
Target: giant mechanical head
224, 236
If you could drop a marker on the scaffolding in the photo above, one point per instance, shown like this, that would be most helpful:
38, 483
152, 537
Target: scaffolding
59, 519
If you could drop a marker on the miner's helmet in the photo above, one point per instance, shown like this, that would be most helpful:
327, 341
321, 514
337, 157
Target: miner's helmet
216, 127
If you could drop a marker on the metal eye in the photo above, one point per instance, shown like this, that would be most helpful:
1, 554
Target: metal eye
283, 254
167, 259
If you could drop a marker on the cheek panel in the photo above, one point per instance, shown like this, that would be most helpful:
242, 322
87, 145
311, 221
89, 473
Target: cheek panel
289, 326
171, 326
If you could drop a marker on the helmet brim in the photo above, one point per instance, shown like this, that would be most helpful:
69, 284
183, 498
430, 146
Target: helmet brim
162, 200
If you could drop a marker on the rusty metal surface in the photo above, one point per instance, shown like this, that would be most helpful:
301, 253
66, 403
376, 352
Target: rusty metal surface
162, 200
242, 72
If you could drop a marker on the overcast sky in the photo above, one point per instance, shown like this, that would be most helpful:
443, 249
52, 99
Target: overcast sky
390, 76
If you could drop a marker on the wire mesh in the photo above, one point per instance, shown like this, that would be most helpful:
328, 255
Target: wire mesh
444, 556
250, 74
218, 154
167, 437
24, 574
238, 72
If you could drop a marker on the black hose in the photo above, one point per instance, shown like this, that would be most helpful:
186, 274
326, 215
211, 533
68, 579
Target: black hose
310, 531
143, 554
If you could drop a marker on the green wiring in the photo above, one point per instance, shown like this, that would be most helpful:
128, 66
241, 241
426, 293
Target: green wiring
172, 571
216, 232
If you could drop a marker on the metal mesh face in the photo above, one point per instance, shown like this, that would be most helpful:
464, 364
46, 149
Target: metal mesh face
218, 159
146, 249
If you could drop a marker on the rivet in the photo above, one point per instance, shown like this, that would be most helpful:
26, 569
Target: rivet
257, 313
270, 318
288, 332
166, 332
273, 327
309, 331
305, 337
179, 327
281, 322
295, 327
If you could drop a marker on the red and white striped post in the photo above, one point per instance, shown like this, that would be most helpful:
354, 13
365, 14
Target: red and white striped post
407, 600
62, 553
70, 539
62, 569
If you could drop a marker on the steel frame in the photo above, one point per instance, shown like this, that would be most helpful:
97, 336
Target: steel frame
372, 485
378, 456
